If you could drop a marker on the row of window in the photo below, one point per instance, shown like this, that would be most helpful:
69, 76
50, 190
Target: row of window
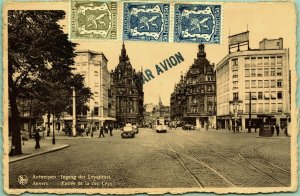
260, 72
261, 84
264, 95
264, 107
267, 60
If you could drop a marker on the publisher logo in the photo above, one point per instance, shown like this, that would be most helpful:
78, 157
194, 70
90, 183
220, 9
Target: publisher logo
22, 179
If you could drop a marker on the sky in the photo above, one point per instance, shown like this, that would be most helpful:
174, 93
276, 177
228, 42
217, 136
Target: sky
264, 20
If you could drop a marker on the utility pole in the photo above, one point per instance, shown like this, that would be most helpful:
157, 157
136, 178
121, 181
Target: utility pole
249, 122
74, 113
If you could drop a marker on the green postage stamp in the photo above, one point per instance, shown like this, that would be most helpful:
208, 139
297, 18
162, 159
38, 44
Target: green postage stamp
94, 20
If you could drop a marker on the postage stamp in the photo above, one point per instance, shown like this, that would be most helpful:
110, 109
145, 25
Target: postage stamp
93, 19
146, 21
200, 23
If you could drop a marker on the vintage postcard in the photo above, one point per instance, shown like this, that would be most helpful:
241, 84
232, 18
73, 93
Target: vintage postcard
124, 97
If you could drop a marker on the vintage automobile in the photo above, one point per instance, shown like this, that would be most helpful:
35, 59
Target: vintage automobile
135, 129
188, 127
161, 128
128, 131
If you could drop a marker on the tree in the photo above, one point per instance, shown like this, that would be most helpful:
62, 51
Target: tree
36, 44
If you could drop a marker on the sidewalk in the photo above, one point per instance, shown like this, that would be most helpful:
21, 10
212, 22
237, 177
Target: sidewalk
29, 151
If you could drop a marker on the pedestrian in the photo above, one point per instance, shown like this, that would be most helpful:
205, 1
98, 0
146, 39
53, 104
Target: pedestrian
101, 131
110, 129
37, 138
285, 130
23, 136
272, 130
277, 129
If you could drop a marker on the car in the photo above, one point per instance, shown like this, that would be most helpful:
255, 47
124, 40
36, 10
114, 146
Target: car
161, 128
188, 127
135, 129
128, 131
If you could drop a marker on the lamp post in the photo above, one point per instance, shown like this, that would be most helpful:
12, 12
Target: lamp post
92, 131
236, 104
249, 122
53, 134
74, 112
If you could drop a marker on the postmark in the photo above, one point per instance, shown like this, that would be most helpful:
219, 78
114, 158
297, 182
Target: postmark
93, 19
146, 21
200, 23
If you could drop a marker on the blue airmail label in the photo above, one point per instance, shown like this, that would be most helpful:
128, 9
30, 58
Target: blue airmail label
94, 19
146, 21
200, 23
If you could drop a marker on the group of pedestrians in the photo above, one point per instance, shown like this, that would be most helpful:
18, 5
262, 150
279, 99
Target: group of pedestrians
106, 129
277, 129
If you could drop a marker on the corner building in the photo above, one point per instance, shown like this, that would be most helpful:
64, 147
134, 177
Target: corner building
128, 86
261, 75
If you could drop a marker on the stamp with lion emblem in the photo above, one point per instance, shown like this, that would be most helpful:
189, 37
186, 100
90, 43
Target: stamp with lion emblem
93, 19
146, 21
199, 23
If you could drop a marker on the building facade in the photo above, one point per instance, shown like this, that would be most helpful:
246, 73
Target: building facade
194, 97
128, 86
256, 82
93, 66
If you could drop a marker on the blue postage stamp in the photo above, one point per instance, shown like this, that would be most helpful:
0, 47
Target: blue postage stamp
146, 21
94, 19
200, 23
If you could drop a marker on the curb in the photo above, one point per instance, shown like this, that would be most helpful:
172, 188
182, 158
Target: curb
39, 153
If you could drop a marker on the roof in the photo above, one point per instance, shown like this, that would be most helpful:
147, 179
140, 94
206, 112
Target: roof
91, 52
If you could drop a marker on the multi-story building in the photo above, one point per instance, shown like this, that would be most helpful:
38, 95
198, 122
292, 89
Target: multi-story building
128, 85
194, 98
255, 80
93, 66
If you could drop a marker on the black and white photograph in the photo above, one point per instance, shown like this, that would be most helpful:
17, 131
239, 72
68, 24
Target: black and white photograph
198, 97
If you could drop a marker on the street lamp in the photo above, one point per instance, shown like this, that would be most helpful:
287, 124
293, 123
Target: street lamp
236, 104
249, 122
53, 134
92, 134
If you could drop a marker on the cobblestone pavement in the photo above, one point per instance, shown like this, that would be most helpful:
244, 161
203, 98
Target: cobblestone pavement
161, 160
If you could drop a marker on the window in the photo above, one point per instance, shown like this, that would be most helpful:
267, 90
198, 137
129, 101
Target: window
260, 84
235, 96
96, 94
267, 107
247, 61
266, 71
259, 61
247, 72
260, 95
235, 84
247, 107
279, 107
267, 95
266, 60
279, 95
253, 96
96, 84
253, 61
260, 108
273, 83
253, 72
253, 83
273, 95
234, 73
279, 60
266, 84
253, 107
96, 73
247, 95
259, 72
279, 83
96, 111
234, 62
272, 60
273, 72
247, 84
279, 71
273, 107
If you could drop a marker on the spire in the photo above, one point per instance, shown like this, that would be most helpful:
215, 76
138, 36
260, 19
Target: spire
124, 56
201, 53
159, 101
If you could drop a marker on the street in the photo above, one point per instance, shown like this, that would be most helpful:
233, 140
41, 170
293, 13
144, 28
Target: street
176, 159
